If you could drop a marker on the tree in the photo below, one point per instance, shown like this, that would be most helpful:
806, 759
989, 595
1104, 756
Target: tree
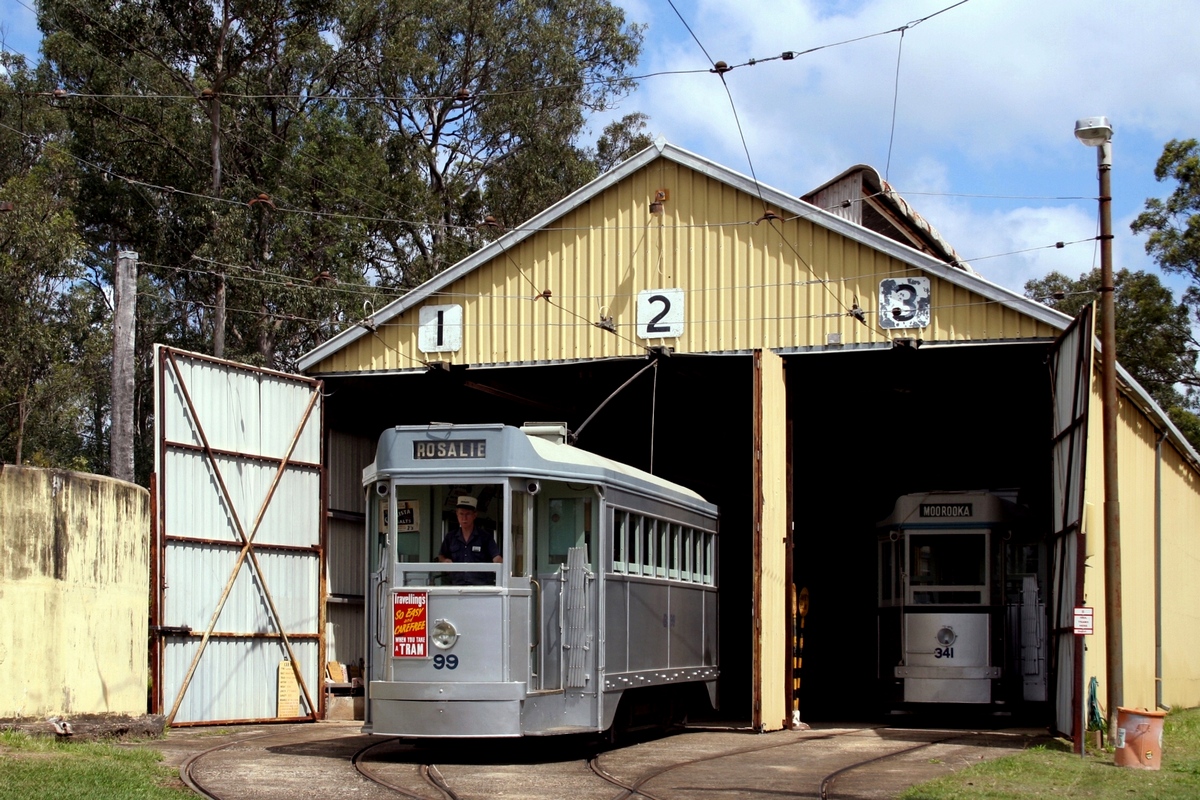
278, 164
1154, 337
41, 392
483, 103
1173, 224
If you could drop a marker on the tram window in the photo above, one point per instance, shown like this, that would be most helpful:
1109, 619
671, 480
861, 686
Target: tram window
685, 554
517, 525
664, 549
704, 543
647, 559
618, 541
673, 552
569, 524
562, 529
947, 568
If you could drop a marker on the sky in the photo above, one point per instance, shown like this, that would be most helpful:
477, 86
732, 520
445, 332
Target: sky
985, 97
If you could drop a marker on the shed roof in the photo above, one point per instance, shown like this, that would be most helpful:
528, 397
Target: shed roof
1009, 315
788, 205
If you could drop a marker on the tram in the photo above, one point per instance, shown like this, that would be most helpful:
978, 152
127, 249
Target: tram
600, 609
962, 611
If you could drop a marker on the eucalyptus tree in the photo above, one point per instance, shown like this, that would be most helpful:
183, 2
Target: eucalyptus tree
207, 144
1155, 341
484, 104
41, 396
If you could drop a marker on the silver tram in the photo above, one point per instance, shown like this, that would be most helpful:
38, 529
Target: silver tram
605, 598
962, 614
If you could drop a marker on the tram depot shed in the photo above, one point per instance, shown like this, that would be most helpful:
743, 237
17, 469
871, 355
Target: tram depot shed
801, 363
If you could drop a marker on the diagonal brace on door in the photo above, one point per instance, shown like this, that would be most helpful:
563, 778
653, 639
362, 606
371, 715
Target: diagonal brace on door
247, 549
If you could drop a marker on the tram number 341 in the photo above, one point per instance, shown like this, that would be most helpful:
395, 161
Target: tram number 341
448, 662
943, 652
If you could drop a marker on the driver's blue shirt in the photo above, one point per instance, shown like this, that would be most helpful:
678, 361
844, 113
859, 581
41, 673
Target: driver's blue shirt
481, 548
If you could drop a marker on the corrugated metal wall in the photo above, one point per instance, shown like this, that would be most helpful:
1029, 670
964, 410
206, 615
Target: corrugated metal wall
1180, 587
238, 454
783, 284
1136, 456
344, 618
1179, 592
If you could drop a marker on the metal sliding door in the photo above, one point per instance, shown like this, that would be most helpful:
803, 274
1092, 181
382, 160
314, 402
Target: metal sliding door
238, 599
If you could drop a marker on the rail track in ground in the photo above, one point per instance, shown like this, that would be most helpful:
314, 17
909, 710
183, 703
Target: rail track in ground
852, 763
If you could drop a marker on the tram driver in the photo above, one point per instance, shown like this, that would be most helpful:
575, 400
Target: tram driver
468, 543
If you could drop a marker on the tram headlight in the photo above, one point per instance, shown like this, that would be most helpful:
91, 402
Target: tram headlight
443, 634
946, 636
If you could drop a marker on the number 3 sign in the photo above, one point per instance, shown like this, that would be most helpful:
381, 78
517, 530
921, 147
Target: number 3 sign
904, 303
660, 314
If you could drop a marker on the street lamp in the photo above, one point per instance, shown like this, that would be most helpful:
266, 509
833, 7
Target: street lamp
1097, 132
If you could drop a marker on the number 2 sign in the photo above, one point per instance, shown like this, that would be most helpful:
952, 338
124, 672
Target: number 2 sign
660, 314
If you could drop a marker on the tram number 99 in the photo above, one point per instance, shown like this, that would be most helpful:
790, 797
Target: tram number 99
940, 652
451, 662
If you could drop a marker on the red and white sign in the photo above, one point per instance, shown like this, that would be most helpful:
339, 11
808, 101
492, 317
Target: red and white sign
410, 624
1084, 621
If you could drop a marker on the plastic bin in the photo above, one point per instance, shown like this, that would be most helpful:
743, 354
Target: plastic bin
1139, 738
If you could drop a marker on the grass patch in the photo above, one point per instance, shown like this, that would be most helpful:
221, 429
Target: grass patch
1055, 772
38, 767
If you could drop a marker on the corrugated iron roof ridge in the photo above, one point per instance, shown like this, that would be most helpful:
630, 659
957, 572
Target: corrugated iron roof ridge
783, 200
923, 225
484, 254
884, 189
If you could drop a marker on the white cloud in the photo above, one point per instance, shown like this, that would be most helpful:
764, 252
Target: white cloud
988, 95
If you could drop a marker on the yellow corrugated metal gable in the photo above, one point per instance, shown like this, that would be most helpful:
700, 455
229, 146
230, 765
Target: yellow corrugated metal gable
745, 283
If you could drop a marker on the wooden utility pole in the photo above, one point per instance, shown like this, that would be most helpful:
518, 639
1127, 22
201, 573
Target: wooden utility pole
124, 323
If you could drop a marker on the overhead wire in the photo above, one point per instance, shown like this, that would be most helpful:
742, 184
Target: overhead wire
720, 73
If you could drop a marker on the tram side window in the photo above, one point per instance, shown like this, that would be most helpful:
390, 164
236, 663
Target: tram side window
710, 558
618, 541
673, 552
657, 548
664, 549
647, 554
687, 554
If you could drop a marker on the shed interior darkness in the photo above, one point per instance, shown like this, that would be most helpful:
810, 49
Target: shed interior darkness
869, 426
697, 407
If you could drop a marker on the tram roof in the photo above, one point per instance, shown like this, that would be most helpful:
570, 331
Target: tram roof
514, 452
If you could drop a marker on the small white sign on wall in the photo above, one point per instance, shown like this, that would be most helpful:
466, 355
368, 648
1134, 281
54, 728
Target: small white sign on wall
660, 314
441, 329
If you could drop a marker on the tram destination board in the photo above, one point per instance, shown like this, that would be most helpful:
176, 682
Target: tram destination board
947, 510
462, 448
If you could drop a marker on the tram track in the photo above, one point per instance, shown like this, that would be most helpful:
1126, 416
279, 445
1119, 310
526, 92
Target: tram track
838, 764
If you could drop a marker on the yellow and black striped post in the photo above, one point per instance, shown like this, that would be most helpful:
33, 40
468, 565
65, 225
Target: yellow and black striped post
799, 612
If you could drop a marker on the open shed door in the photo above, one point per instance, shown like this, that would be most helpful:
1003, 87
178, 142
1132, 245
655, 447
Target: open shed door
237, 595
1071, 377
771, 532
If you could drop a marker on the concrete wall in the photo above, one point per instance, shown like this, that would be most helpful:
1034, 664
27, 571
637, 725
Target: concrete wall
74, 593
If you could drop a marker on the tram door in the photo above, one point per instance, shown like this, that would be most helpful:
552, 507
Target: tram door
564, 521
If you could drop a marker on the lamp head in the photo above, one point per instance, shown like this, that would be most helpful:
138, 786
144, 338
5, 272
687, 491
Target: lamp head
1093, 131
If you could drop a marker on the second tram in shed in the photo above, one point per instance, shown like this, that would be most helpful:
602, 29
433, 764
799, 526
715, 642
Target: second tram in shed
962, 612
600, 608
